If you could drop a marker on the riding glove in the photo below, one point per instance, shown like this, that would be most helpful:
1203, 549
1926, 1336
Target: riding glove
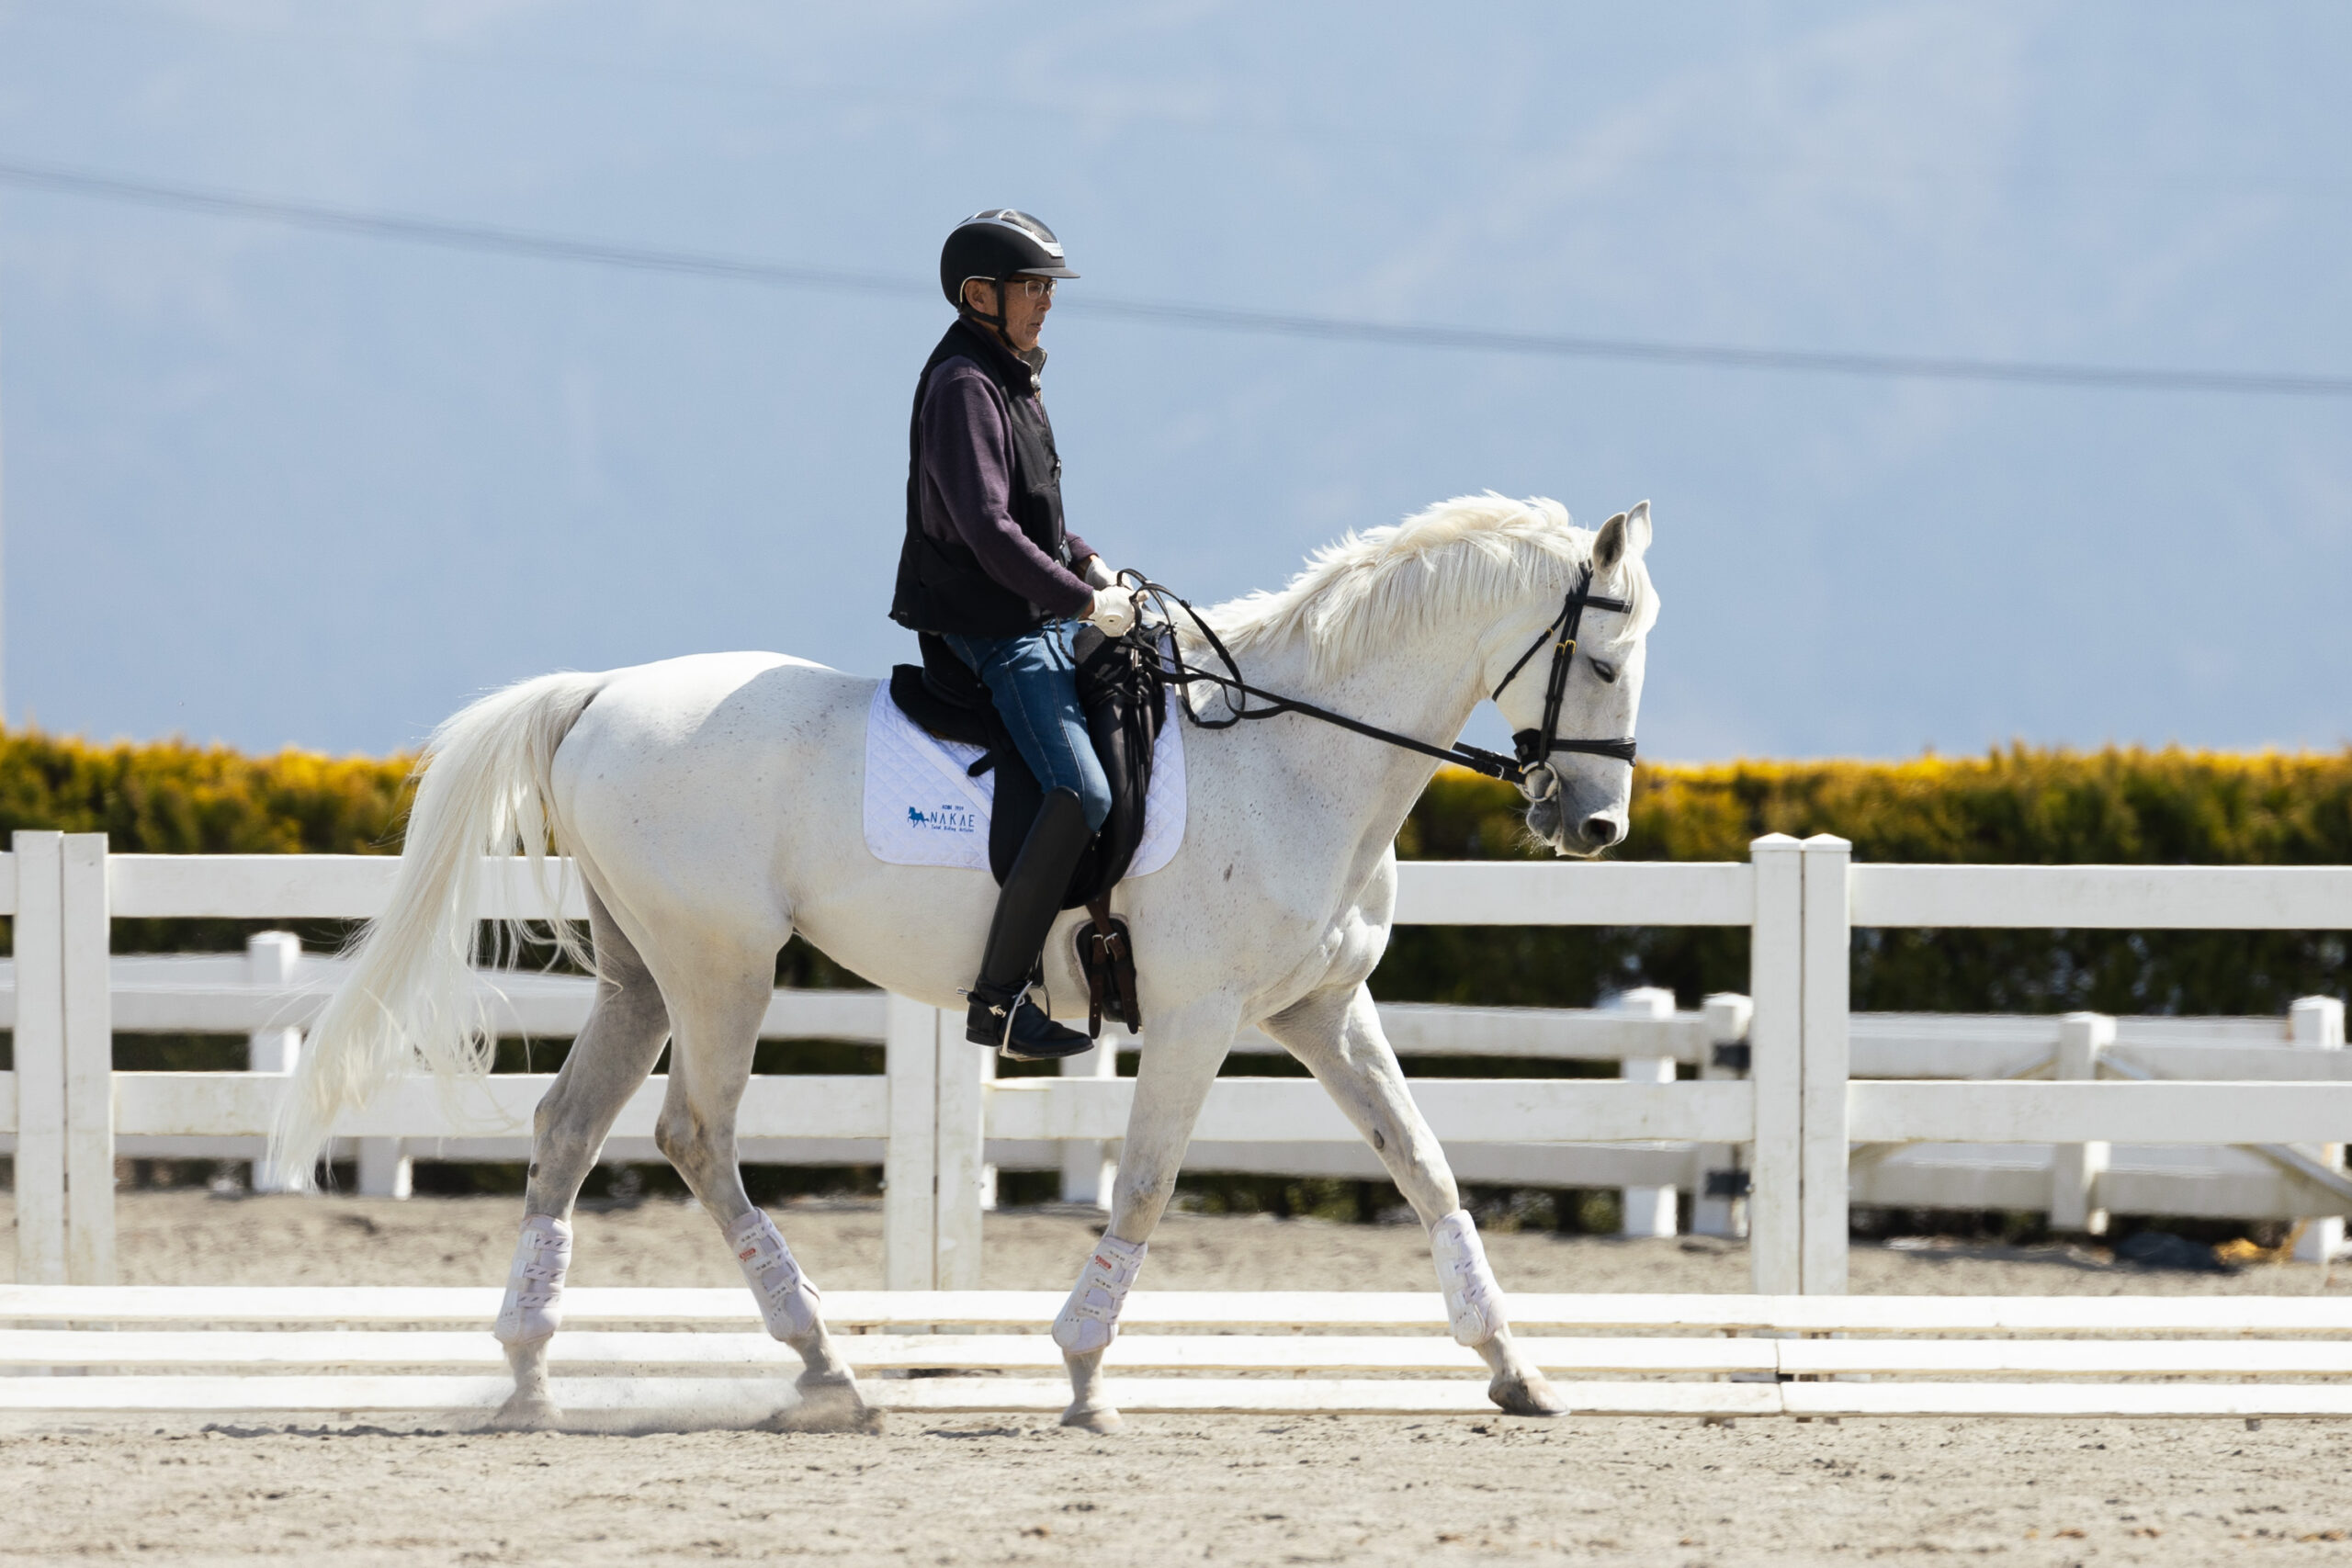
1098, 572
1114, 610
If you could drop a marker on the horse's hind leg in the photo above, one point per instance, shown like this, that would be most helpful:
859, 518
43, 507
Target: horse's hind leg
1336, 1034
614, 1052
716, 1013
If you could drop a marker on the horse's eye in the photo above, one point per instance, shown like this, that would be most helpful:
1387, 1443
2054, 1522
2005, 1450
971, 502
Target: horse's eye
1605, 670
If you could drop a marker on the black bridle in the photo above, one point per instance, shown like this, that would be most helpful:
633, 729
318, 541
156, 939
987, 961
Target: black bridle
1535, 747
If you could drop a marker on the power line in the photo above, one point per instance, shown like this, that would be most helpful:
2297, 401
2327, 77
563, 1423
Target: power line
488, 238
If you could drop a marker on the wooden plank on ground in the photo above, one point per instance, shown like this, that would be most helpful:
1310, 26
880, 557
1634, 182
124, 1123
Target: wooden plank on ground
644, 1397
2079, 1401
280, 1351
2067, 1358
1533, 1312
653, 1401
1314, 1396
2057, 1314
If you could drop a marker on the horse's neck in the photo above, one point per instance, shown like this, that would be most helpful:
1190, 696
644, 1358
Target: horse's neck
1424, 687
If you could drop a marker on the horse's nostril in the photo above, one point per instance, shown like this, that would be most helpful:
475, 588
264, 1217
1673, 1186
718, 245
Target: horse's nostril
1601, 831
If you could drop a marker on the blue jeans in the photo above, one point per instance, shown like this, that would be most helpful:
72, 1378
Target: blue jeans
1034, 683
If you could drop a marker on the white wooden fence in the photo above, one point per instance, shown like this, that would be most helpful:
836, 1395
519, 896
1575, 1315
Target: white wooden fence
272, 993
935, 1121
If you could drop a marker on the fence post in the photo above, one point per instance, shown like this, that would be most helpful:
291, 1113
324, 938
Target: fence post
41, 1059
2075, 1168
1088, 1170
2318, 1022
1829, 944
910, 1156
270, 960
986, 1182
965, 1070
1776, 1042
88, 938
1718, 1173
1645, 1211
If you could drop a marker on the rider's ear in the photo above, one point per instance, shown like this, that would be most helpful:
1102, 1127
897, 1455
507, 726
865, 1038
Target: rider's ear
1624, 536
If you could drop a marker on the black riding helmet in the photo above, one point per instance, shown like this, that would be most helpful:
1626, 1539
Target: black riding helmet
997, 244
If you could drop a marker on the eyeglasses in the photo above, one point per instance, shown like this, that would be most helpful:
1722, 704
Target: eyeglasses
1033, 288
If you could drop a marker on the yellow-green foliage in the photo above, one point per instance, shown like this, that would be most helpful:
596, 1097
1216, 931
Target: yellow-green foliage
2014, 806
2018, 807
169, 797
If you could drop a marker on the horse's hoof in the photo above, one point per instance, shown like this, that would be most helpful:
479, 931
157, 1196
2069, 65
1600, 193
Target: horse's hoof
1099, 1419
830, 1402
526, 1411
1525, 1393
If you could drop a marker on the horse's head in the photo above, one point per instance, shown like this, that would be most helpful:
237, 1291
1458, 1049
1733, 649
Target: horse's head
1577, 800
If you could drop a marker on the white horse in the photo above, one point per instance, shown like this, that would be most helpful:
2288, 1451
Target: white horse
713, 807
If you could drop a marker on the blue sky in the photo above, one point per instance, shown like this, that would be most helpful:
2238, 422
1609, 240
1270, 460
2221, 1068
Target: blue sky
272, 486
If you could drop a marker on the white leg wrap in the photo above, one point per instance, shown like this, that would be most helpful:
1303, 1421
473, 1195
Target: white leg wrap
533, 1305
1089, 1319
1474, 1302
787, 1297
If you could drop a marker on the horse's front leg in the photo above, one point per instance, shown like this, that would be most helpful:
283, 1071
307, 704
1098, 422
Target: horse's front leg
1336, 1034
1179, 1064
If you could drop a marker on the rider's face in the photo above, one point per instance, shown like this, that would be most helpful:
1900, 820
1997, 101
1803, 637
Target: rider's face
1028, 300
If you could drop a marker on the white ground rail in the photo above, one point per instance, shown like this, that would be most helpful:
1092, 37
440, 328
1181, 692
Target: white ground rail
644, 1353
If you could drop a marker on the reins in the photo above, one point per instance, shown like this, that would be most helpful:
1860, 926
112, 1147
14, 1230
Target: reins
1534, 747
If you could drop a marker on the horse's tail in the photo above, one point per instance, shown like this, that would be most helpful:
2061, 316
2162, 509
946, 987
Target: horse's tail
484, 785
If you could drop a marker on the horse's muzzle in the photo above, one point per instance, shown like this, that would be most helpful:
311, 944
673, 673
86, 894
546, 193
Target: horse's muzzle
1600, 832
1590, 834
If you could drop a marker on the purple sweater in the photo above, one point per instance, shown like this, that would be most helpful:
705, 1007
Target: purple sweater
967, 487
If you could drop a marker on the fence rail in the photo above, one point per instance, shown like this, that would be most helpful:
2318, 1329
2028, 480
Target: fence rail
1812, 1110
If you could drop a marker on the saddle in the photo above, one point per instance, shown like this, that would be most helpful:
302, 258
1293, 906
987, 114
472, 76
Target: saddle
1123, 694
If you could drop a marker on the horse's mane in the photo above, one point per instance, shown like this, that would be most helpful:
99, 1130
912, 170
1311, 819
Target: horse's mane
1469, 557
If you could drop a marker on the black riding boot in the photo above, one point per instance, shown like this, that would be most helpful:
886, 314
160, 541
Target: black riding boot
1002, 1015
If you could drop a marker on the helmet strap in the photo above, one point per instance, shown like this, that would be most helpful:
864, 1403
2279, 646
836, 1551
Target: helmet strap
995, 324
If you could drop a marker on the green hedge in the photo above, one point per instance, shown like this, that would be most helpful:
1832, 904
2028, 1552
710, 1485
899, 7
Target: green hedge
2019, 806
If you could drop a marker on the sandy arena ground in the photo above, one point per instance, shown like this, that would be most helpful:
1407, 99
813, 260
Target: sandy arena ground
1227, 1489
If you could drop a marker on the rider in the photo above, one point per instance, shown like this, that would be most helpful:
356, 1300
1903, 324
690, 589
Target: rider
989, 568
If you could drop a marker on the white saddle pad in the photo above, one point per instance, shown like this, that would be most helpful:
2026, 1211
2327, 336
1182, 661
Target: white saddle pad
921, 808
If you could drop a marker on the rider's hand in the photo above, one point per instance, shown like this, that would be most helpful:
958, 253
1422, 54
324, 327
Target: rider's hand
1098, 572
1113, 611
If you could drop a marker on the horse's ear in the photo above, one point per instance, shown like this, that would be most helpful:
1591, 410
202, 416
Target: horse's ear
1623, 537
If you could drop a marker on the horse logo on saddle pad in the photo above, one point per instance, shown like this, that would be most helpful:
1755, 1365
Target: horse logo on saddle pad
923, 806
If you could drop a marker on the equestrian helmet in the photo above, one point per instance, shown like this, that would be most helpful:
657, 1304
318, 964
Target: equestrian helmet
996, 244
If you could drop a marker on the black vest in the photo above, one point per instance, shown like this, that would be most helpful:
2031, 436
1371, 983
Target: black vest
942, 586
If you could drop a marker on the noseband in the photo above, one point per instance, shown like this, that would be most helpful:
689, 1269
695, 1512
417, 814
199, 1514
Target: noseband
1535, 747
